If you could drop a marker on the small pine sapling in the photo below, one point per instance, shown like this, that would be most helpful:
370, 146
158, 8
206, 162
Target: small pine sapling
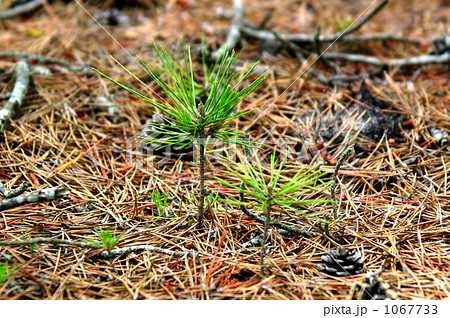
268, 192
186, 119
107, 239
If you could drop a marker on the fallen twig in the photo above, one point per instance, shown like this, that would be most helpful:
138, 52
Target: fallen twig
317, 46
21, 9
303, 38
370, 60
298, 53
47, 194
47, 240
104, 254
14, 192
44, 59
138, 248
12, 106
234, 32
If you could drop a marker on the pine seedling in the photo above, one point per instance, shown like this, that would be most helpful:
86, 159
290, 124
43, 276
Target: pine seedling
160, 201
107, 239
268, 192
187, 121
342, 23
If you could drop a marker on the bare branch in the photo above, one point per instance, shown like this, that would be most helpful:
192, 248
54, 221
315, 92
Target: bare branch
15, 192
234, 32
104, 254
22, 9
43, 59
304, 38
139, 248
52, 241
412, 61
12, 106
47, 194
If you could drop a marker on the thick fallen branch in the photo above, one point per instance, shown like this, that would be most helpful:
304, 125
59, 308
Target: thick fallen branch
370, 60
44, 59
21, 9
104, 254
234, 32
12, 106
48, 194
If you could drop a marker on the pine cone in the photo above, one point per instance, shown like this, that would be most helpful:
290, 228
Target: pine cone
373, 289
342, 262
153, 149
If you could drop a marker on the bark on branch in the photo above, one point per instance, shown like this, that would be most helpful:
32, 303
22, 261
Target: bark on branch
12, 106
370, 60
303, 38
104, 254
22, 9
47, 194
234, 32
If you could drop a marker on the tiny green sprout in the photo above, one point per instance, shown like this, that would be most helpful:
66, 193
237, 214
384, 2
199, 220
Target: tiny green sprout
160, 201
267, 190
343, 23
212, 198
194, 112
4, 273
32, 248
190, 197
107, 239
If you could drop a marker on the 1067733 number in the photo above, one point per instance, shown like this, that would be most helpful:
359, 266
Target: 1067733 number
410, 309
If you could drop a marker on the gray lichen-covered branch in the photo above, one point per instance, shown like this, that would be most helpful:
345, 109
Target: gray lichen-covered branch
140, 248
234, 32
47, 194
21, 9
14, 192
104, 254
12, 106
44, 59
303, 38
52, 241
370, 60
301, 44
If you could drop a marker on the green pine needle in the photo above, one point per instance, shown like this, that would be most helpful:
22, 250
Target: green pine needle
286, 195
185, 120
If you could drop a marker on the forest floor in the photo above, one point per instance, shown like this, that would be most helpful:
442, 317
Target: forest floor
79, 131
